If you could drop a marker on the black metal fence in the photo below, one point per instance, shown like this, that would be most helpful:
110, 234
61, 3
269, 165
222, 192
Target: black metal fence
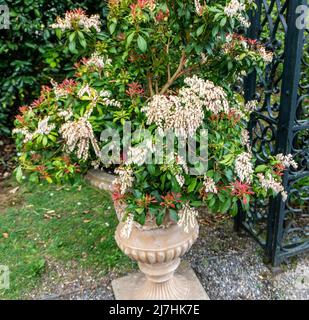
280, 125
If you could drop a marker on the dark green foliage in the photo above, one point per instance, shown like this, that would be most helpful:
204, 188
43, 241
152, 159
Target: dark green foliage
29, 54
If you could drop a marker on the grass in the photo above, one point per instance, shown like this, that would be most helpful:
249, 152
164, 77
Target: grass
64, 224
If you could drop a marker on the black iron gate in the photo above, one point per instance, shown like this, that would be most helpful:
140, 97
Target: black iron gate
280, 125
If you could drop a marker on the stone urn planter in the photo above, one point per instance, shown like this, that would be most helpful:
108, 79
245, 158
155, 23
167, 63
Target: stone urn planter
100, 179
158, 252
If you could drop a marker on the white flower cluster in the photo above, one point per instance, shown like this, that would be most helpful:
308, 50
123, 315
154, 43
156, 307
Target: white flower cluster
97, 61
126, 229
188, 217
267, 56
198, 7
244, 21
184, 113
251, 106
77, 17
66, 114
287, 161
86, 90
78, 134
91, 93
268, 182
27, 135
125, 178
180, 179
235, 8
181, 162
213, 98
245, 138
61, 90
209, 185
107, 101
43, 128
244, 167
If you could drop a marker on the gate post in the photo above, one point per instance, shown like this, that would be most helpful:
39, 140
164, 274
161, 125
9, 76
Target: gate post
288, 104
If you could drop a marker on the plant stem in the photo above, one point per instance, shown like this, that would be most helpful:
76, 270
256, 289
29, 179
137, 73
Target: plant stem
176, 74
150, 85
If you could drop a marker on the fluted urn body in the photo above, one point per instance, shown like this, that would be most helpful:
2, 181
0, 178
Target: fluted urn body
158, 252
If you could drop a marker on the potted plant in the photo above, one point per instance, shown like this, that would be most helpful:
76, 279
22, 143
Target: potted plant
173, 69
188, 58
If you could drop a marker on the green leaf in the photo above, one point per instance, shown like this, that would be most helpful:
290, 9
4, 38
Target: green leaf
72, 36
34, 178
227, 159
139, 210
196, 204
49, 179
226, 205
260, 168
234, 209
44, 141
230, 65
58, 33
152, 169
72, 47
142, 44
19, 174
200, 30
160, 217
112, 27
129, 39
223, 22
173, 215
82, 39
215, 30
212, 202
192, 185
221, 197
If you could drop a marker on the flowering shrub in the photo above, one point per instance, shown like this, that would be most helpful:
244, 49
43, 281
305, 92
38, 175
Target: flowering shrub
168, 67
55, 132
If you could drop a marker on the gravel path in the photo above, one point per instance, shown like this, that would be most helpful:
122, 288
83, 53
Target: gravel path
229, 267
232, 268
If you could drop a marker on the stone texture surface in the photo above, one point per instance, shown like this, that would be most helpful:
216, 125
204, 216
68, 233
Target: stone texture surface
158, 252
100, 179
125, 287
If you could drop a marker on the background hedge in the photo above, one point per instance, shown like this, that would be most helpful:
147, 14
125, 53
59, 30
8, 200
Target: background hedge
29, 54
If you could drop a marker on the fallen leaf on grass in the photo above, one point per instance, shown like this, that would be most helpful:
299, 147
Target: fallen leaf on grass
5, 235
13, 191
6, 175
86, 221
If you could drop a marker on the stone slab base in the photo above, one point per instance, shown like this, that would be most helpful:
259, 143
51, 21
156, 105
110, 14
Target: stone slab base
125, 287
100, 179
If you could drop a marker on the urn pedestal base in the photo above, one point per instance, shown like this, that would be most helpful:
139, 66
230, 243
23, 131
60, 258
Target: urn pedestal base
136, 286
158, 252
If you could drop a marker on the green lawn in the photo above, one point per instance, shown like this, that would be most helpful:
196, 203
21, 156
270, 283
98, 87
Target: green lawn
61, 223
